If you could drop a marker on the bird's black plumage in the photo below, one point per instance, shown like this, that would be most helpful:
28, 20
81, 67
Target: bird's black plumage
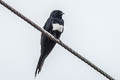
54, 25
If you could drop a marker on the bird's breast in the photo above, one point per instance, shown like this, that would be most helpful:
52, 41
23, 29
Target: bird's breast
57, 27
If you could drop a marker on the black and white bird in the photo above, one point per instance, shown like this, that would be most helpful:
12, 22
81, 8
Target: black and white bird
55, 26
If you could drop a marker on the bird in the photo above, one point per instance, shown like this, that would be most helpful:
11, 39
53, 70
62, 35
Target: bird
55, 26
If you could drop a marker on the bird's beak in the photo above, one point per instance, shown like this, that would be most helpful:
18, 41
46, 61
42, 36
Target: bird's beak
63, 13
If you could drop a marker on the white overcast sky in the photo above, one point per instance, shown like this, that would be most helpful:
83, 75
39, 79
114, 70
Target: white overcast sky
92, 28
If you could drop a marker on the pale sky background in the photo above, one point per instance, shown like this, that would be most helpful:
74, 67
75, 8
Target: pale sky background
92, 28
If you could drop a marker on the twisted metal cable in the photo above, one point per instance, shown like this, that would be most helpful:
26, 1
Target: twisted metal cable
56, 40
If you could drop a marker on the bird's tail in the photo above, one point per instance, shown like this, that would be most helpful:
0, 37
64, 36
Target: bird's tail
39, 65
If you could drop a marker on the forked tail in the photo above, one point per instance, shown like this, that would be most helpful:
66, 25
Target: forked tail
39, 65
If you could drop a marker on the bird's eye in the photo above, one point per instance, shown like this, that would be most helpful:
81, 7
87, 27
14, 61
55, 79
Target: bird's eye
55, 12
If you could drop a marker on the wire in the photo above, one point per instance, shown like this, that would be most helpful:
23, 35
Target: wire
56, 40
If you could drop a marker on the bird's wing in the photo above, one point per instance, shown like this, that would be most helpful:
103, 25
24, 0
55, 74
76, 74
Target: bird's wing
48, 25
44, 38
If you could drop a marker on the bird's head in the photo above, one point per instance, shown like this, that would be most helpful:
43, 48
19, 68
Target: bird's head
56, 14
